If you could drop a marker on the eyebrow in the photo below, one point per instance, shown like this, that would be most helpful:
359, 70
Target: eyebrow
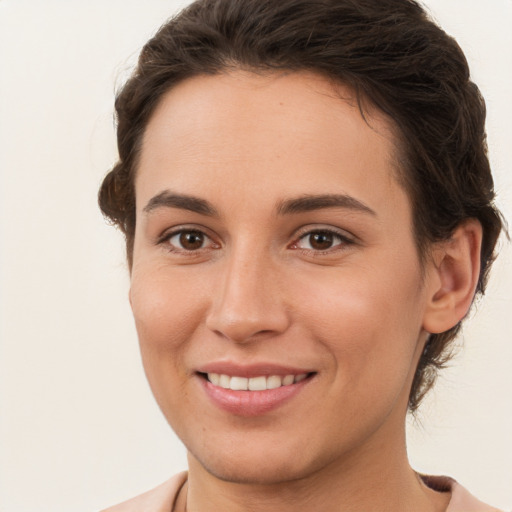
308, 203
168, 199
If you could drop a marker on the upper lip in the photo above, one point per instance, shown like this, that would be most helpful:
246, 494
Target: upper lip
250, 370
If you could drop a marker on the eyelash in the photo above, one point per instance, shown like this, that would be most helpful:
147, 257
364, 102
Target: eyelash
343, 241
167, 237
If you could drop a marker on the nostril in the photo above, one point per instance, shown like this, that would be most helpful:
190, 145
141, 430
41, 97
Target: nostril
246, 307
244, 330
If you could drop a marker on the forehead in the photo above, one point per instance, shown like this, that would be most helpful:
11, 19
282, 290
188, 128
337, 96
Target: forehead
265, 136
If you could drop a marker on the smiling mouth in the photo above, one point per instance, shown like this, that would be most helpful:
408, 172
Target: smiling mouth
259, 383
259, 389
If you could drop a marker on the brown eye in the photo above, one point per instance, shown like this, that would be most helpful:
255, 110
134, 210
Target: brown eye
191, 240
321, 240
188, 240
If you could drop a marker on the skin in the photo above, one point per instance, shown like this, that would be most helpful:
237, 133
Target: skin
256, 289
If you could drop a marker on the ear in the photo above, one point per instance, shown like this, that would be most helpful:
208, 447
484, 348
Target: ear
452, 277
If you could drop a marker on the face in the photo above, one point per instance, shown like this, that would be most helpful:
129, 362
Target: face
276, 286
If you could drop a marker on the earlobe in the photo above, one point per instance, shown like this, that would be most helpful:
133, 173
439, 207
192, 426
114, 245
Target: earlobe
453, 277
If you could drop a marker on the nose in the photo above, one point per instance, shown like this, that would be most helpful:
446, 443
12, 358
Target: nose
248, 304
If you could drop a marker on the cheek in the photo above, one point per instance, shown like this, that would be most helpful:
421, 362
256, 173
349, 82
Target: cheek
165, 309
165, 318
369, 319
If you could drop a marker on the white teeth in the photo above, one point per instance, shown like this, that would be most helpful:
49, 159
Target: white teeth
224, 381
288, 380
238, 383
254, 383
274, 382
257, 383
214, 378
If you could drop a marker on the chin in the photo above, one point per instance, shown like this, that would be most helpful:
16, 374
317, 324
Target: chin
244, 473
263, 468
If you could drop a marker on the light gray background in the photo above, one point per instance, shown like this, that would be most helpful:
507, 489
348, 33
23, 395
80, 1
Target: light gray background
78, 427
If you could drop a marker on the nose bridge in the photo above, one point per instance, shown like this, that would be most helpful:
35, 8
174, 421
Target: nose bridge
248, 300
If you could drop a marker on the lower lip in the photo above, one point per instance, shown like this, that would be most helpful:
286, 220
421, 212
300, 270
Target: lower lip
251, 403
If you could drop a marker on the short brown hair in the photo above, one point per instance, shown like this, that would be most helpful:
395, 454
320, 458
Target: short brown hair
389, 52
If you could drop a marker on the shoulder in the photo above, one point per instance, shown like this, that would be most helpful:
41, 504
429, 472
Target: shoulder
461, 500
159, 499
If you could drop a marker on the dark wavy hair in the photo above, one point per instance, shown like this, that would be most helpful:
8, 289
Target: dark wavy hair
389, 52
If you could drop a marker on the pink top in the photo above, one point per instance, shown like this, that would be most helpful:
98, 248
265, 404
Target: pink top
162, 498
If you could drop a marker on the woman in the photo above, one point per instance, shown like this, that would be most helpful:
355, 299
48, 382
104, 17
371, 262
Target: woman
308, 211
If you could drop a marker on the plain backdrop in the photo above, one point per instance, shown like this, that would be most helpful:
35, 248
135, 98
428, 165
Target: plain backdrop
79, 429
